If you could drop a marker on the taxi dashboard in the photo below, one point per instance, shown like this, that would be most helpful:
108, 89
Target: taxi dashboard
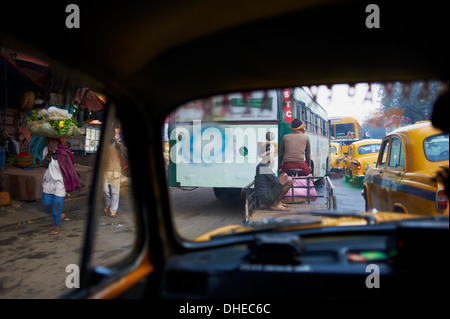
383, 261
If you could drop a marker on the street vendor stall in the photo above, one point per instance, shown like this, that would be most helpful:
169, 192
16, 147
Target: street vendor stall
40, 102
87, 142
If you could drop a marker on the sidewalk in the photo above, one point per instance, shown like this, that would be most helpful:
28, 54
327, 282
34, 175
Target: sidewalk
25, 190
26, 184
18, 212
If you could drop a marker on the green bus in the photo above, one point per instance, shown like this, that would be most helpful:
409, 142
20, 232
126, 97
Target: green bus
214, 142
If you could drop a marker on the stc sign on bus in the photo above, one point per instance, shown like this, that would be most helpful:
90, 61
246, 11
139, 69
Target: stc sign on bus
286, 97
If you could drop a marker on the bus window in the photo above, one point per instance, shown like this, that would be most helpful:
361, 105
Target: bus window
305, 116
318, 124
332, 131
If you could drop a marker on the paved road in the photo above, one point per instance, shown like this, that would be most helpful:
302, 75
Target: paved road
33, 264
348, 195
197, 211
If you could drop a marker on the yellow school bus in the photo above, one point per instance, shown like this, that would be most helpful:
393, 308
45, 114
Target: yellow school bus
345, 130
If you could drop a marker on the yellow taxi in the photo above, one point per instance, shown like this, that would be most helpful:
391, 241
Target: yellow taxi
337, 157
361, 156
404, 177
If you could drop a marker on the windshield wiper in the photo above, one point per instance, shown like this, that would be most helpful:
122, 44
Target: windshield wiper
300, 218
288, 220
312, 217
369, 218
272, 224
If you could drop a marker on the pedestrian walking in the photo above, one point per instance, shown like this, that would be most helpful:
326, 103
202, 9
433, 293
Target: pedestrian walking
116, 163
59, 179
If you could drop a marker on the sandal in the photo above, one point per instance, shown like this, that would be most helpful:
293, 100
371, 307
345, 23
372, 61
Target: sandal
106, 209
55, 230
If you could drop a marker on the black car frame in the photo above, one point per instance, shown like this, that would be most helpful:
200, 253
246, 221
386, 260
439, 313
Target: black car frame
151, 57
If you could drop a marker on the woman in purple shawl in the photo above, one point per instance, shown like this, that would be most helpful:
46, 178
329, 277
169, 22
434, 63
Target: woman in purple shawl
59, 179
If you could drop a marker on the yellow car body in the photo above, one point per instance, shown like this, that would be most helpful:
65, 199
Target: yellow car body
404, 179
337, 157
322, 221
362, 155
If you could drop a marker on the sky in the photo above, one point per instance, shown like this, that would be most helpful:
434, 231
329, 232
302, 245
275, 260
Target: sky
337, 101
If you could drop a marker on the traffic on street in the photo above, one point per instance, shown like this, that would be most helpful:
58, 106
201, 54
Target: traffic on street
37, 260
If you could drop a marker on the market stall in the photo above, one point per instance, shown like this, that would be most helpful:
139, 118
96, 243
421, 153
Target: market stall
36, 103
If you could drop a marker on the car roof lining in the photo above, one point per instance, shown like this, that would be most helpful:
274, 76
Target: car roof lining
151, 50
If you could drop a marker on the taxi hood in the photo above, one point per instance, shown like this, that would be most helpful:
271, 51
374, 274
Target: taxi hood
310, 220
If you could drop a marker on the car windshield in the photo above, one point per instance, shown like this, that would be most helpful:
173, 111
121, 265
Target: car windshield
369, 149
227, 155
342, 130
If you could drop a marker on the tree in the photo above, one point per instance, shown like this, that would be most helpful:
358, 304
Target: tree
415, 98
387, 119
402, 103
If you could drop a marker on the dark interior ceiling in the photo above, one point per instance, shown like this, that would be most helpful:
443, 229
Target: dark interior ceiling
167, 52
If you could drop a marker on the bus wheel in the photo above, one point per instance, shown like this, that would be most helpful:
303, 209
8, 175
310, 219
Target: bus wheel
227, 194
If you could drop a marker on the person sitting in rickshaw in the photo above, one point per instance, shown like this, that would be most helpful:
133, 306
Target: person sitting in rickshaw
295, 150
268, 187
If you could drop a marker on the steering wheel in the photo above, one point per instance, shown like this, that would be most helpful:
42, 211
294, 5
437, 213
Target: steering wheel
444, 153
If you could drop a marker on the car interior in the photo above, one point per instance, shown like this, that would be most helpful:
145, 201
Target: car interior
152, 56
